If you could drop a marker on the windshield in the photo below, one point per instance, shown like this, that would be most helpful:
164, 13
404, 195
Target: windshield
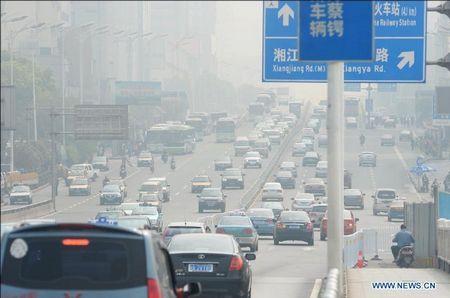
109, 214
111, 188
201, 244
294, 216
20, 188
235, 221
211, 192
319, 209
386, 194
150, 187
145, 210
132, 223
272, 205
80, 182
200, 179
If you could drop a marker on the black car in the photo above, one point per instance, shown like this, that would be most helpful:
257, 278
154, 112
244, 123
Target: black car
211, 199
111, 194
97, 260
223, 163
213, 260
232, 178
293, 225
285, 178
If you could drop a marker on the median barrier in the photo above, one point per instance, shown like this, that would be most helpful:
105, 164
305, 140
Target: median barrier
331, 289
24, 212
370, 247
443, 244
353, 246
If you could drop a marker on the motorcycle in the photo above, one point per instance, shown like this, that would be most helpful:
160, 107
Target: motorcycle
172, 165
164, 158
123, 173
405, 257
105, 181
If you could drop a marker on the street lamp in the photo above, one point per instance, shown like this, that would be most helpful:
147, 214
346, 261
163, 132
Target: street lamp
82, 28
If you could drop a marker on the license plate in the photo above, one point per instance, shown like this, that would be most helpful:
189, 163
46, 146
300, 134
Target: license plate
210, 204
294, 227
200, 268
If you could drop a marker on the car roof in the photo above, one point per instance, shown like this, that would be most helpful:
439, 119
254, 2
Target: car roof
272, 184
322, 162
157, 179
386, 189
367, 152
288, 163
314, 181
311, 153
151, 183
351, 191
201, 176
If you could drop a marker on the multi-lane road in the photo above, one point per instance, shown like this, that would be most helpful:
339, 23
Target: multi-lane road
287, 270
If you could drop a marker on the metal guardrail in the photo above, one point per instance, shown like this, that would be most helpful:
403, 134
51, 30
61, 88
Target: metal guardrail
443, 244
252, 194
21, 213
331, 289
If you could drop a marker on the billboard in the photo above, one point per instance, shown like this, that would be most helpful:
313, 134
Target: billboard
138, 93
8, 108
101, 122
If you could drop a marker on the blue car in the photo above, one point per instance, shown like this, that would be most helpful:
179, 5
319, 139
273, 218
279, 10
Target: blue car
263, 220
241, 228
88, 261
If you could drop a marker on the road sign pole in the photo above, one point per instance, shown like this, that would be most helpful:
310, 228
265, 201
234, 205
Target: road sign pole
335, 128
53, 177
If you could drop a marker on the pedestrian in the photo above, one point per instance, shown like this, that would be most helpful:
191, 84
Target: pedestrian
413, 143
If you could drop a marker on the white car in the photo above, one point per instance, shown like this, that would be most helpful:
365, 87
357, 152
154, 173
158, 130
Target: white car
272, 191
322, 169
151, 187
303, 202
87, 169
20, 194
252, 159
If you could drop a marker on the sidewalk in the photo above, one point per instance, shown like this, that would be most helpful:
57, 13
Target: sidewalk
408, 282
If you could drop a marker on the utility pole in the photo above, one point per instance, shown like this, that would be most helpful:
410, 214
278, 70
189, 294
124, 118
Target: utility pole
34, 96
140, 10
53, 157
335, 151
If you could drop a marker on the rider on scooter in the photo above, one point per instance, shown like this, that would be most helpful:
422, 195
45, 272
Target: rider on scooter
362, 139
402, 238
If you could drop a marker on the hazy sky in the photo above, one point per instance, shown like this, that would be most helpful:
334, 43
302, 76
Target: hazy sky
239, 45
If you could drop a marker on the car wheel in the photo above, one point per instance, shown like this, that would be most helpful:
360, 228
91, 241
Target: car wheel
322, 237
275, 241
311, 242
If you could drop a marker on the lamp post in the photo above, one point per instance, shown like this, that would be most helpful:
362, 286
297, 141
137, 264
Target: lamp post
81, 28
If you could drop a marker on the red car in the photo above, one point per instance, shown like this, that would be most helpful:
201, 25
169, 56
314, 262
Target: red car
349, 224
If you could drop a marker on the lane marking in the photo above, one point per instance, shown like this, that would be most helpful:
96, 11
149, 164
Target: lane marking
185, 186
316, 289
177, 193
405, 166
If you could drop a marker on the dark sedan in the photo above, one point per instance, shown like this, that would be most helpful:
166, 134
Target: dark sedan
214, 260
293, 225
223, 163
286, 179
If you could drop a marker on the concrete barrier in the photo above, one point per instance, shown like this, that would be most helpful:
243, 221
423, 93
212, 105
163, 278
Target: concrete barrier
32, 210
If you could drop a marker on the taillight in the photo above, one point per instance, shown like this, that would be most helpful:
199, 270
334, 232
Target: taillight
248, 231
220, 230
280, 225
236, 263
309, 227
75, 242
153, 289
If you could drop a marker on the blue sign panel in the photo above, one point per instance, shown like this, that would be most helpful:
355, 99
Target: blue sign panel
336, 30
352, 87
399, 42
444, 205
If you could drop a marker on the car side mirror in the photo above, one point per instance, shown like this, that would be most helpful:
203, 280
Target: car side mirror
250, 256
215, 226
356, 219
190, 289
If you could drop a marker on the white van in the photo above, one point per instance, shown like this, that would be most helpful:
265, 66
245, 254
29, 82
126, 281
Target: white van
382, 199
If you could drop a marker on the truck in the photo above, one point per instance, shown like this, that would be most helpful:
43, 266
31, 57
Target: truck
295, 107
351, 107
9, 179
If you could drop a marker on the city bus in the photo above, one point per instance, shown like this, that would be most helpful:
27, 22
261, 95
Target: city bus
351, 107
197, 124
207, 126
154, 138
171, 138
225, 130
268, 99
179, 139
256, 112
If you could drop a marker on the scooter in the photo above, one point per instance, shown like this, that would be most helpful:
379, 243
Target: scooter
405, 257
123, 173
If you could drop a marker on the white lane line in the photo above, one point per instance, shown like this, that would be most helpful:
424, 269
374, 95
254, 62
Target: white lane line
405, 166
177, 193
316, 289
185, 186
86, 200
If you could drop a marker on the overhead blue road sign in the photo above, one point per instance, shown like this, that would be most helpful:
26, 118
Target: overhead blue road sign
400, 28
336, 31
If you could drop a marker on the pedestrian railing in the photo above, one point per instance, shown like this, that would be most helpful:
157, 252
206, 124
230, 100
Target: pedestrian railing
353, 249
443, 244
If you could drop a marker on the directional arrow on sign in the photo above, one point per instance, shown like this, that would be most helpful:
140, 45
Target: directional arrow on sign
286, 12
407, 58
